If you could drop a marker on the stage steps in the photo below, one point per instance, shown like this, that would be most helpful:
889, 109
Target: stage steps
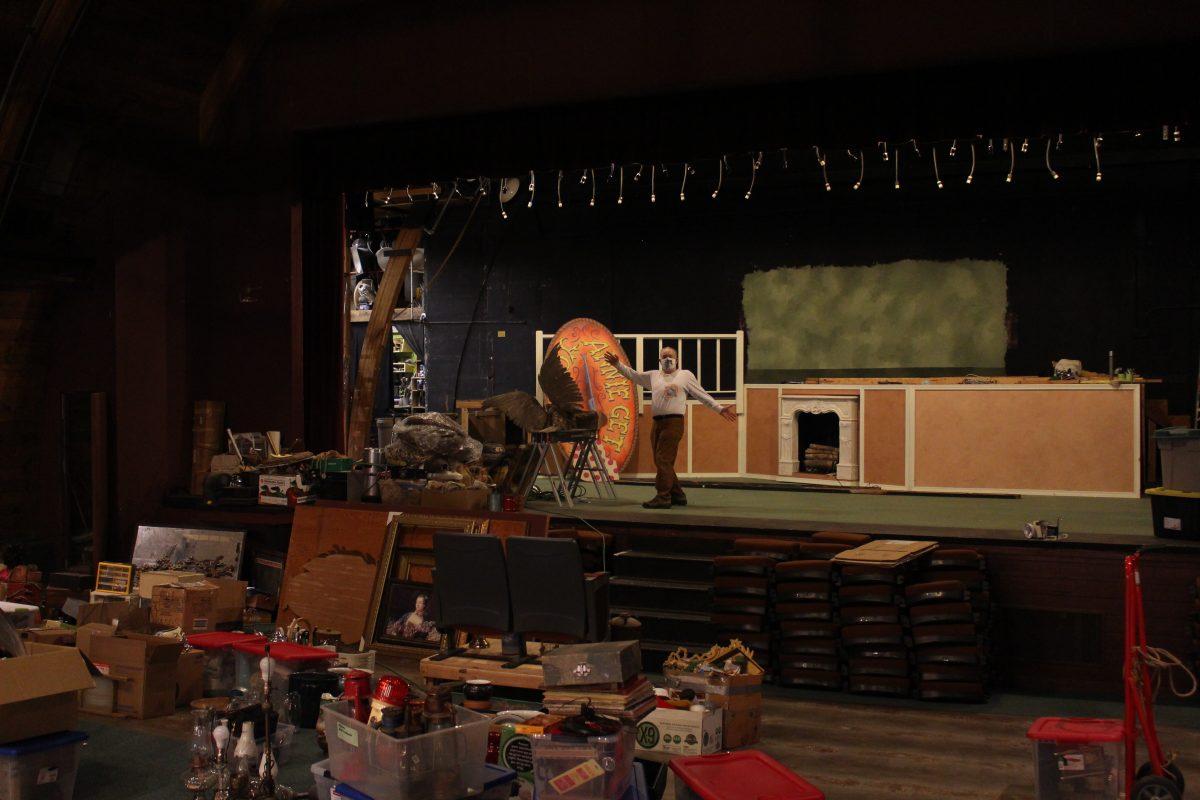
657, 593
671, 566
680, 627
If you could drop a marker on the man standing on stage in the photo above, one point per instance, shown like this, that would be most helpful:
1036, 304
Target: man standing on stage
669, 389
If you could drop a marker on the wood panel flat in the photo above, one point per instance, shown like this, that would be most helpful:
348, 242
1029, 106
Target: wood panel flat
817, 391
1047, 440
464, 668
641, 461
762, 431
882, 420
714, 442
331, 567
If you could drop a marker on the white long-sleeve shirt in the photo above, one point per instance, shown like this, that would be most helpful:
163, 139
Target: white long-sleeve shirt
669, 393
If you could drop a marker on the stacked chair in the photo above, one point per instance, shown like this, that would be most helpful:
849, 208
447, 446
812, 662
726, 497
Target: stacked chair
805, 614
875, 644
742, 593
948, 610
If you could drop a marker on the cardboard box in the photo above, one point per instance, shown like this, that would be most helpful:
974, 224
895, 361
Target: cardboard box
741, 726
229, 602
459, 499
273, 490
38, 691
85, 633
148, 580
21, 615
186, 605
189, 677
63, 637
680, 732
143, 669
593, 663
129, 616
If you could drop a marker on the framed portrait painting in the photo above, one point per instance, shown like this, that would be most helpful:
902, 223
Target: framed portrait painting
402, 618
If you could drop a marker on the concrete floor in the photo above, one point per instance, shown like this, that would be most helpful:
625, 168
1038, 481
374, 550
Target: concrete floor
1085, 519
853, 748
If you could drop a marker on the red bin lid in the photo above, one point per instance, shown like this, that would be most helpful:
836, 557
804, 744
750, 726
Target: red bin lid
1076, 730
285, 651
218, 639
744, 775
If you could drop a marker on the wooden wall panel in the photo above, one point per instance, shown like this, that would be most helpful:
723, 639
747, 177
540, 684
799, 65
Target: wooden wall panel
762, 431
1026, 439
817, 391
882, 420
714, 442
641, 462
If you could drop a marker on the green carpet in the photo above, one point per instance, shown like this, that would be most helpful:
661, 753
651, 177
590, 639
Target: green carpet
1085, 519
128, 760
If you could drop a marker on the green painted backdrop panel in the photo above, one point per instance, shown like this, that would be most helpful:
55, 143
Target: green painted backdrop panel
908, 314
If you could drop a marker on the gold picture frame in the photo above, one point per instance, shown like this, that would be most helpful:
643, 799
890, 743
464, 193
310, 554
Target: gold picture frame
389, 585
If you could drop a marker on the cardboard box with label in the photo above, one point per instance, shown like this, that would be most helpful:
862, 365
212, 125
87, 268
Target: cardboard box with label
38, 691
680, 732
184, 605
738, 696
142, 669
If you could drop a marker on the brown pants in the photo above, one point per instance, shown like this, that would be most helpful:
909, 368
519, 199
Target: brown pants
664, 439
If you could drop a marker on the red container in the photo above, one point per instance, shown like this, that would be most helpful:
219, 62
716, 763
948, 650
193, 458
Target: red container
744, 775
1074, 757
391, 689
218, 639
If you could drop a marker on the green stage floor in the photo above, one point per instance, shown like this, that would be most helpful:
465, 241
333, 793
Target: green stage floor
1086, 520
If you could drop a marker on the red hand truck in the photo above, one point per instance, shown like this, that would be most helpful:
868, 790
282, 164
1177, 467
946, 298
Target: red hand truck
1157, 779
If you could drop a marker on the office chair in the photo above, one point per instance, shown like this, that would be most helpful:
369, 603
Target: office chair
552, 599
470, 587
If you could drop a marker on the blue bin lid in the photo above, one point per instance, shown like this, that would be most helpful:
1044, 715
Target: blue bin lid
349, 792
1177, 432
494, 775
39, 744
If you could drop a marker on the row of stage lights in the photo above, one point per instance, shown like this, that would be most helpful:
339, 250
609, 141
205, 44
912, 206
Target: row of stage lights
888, 153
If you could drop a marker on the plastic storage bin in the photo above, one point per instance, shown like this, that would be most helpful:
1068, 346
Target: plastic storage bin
41, 768
427, 767
286, 658
734, 776
323, 779
1176, 514
1179, 451
220, 667
1078, 758
596, 768
496, 781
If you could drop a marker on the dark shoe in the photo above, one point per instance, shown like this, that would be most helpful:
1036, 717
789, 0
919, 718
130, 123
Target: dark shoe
657, 502
680, 500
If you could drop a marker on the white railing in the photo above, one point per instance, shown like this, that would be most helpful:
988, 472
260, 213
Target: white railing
708, 355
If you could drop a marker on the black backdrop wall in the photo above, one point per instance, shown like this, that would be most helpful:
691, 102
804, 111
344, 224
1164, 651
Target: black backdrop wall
1091, 266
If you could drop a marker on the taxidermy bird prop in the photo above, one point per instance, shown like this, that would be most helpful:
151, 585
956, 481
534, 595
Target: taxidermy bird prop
565, 404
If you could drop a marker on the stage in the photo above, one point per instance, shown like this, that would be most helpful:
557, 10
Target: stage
756, 508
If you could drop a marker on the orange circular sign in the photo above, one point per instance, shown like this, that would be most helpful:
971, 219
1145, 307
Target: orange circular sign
583, 343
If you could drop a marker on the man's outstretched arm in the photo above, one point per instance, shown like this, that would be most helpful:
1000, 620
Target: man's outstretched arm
640, 378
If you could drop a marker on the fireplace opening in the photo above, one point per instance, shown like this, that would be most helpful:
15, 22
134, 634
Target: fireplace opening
817, 440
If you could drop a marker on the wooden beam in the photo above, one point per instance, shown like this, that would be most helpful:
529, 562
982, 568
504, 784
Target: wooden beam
362, 406
240, 55
30, 84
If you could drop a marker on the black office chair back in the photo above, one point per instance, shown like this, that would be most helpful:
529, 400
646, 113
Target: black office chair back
546, 583
470, 582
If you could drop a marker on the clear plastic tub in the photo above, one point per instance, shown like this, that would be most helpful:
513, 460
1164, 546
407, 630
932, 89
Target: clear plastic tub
41, 767
596, 768
427, 767
220, 668
323, 778
1078, 758
286, 658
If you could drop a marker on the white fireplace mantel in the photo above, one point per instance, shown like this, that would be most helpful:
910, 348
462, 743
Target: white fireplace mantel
846, 409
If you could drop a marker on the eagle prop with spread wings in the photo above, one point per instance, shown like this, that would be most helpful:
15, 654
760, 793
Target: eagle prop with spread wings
565, 409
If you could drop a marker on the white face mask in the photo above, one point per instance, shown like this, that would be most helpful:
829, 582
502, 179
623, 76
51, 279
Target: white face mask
667, 364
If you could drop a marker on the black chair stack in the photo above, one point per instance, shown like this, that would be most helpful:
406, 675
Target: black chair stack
949, 614
876, 650
806, 624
